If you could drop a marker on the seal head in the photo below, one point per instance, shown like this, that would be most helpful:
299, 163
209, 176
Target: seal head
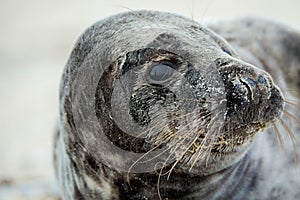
146, 83
144, 92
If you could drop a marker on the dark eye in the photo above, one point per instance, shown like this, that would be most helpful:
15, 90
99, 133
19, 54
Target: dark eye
158, 73
226, 51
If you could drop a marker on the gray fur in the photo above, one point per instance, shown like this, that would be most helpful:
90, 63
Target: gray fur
106, 104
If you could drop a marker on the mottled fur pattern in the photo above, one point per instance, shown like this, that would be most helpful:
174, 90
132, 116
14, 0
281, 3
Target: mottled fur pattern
207, 128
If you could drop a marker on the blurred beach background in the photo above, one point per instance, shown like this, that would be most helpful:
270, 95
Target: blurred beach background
36, 37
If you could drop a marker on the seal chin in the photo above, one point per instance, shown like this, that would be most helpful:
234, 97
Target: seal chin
217, 161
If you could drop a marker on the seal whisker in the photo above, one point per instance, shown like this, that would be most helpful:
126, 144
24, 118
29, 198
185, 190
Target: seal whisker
209, 153
138, 15
203, 149
157, 145
162, 136
182, 154
292, 102
156, 156
178, 142
292, 137
290, 132
162, 174
149, 129
291, 116
178, 145
143, 156
279, 137
206, 144
206, 112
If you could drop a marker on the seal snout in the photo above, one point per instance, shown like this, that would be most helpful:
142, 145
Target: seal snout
269, 98
273, 106
251, 95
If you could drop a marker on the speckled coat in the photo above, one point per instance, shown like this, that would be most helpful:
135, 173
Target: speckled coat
89, 166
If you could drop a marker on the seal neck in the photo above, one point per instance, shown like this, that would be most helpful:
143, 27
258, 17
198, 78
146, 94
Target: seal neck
234, 182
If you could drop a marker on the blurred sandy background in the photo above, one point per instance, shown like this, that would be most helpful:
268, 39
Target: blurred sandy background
36, 38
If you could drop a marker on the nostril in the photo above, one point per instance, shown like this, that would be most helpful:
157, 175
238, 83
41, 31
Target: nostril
261, 79
265, 85
251, 82
274, 105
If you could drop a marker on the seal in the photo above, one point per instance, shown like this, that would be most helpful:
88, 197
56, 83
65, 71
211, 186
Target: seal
156, 106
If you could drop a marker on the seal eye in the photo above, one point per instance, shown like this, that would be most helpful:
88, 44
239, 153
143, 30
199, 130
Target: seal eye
226, 51
159, 73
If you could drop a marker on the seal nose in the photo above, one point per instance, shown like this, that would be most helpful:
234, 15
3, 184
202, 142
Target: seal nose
273, 106
269, 96
251, 94
239, 95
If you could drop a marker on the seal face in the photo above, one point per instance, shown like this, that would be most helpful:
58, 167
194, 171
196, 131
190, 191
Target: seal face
140, 100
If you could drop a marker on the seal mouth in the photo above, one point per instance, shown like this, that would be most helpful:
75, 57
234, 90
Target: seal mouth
226, 142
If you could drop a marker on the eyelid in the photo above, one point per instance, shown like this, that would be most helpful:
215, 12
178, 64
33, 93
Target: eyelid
168, 66
226, 50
